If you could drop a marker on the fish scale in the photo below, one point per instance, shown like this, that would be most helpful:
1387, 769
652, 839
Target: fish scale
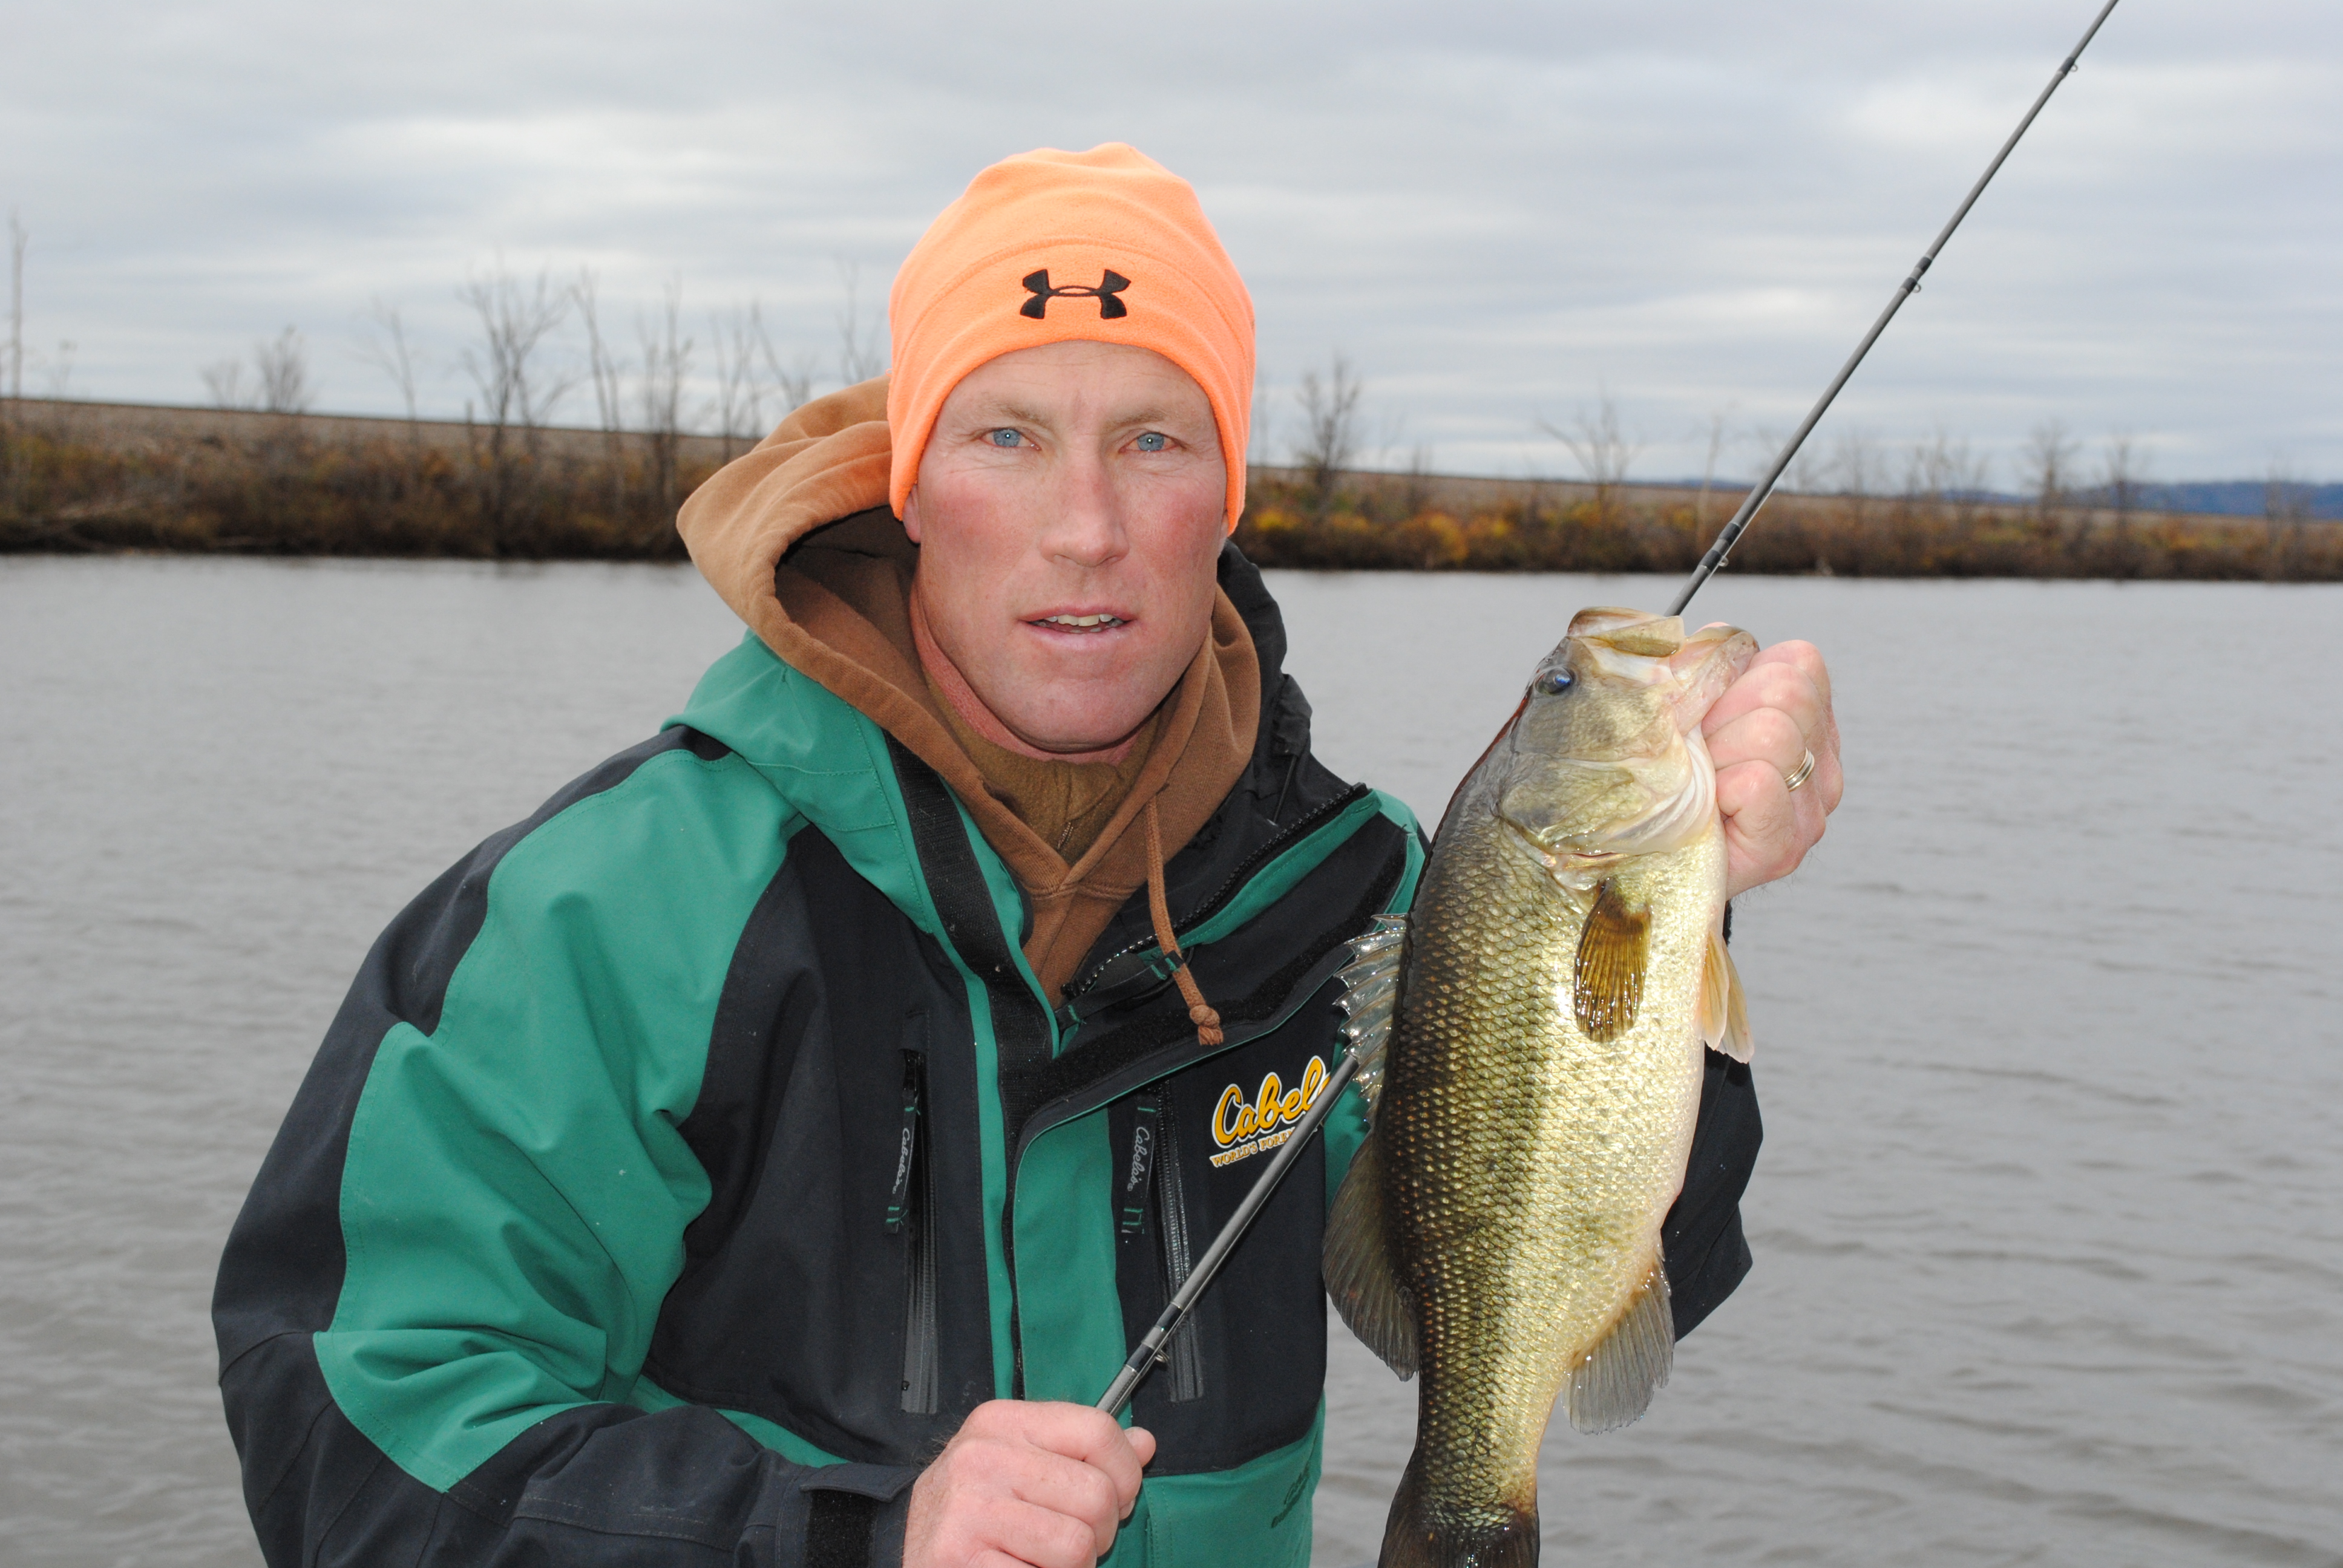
1499, 1232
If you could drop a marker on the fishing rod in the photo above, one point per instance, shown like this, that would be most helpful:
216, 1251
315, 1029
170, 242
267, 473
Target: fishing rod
1758, 493
1184, 1297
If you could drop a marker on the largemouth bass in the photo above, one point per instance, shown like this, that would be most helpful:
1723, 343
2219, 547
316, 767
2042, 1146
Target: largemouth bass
1562, 968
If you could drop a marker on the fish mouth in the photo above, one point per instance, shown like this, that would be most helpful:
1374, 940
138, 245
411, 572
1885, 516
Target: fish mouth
1079, 622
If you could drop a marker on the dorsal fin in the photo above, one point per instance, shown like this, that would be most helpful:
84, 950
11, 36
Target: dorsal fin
1370, 993
1357, 1260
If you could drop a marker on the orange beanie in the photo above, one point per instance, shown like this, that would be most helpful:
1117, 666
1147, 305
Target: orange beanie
1106, 246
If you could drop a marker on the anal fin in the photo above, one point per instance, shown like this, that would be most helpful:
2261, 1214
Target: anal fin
1358, 1264
1612, 1384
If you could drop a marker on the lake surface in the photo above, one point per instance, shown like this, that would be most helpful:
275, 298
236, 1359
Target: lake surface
2049, 1235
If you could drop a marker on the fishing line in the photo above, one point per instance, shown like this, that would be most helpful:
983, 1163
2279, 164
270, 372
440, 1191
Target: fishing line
1149, 1351
1758, 493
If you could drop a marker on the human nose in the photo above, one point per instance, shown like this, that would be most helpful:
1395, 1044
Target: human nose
1084, 524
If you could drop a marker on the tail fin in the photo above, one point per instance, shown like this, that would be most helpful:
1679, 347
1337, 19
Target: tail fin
1422, 1535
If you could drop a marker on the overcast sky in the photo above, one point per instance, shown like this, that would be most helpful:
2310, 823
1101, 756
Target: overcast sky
1498, 212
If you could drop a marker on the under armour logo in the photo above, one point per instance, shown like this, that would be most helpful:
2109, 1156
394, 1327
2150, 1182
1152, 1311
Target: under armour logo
1111, 284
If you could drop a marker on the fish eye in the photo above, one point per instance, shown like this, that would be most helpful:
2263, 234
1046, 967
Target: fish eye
1155, 441
1005, 438
1553, 683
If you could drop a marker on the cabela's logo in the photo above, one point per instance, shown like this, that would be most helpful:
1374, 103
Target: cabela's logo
1243, 1128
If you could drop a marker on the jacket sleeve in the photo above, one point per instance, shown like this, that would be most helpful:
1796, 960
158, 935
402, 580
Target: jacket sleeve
1701, 1239
434, 1310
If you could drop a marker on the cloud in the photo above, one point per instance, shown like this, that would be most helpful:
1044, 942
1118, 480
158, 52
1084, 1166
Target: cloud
1495, 210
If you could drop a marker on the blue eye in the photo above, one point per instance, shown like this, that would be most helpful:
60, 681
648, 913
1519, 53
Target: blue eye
1155, 441
1553, 683
1006, 438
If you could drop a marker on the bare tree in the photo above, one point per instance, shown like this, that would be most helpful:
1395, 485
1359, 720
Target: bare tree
59, 371
606, 373
603, 372
860, 354
1946, 472
1416, 495
20, 240
1260, 426
2123, 469
1943, 469
224, 379
1709, 468
1330, 430
282, 368
1855, 465
794, 384
386, 348
738, 339
517, 388
1603, 450
2050, 456
1807, 473
2286, 510
666, 370
10, 469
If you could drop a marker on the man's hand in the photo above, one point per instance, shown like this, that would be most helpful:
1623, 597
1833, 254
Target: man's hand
1759, 733
1026, 1484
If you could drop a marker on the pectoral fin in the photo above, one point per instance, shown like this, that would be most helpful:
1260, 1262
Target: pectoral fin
1607, 983
1723, 1010
1358, 1265
1612, 1384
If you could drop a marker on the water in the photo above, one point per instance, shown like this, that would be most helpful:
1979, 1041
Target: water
2048, 1256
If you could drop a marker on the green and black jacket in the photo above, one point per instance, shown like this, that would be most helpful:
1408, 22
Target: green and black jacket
689, 1159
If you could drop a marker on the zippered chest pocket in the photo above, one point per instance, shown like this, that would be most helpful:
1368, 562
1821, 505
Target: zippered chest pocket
911, 1214
1155, 1215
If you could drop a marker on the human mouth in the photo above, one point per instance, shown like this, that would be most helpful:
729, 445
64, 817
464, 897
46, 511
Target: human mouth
1097, 622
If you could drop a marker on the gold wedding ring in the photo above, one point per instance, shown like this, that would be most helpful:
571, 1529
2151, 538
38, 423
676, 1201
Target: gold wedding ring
1805, 770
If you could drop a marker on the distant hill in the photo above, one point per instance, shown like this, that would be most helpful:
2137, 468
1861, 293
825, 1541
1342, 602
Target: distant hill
2192, 498
2233, 499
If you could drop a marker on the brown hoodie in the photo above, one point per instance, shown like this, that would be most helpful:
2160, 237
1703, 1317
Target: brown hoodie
795, 536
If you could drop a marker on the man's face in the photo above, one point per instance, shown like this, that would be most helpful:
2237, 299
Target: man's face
1069, 511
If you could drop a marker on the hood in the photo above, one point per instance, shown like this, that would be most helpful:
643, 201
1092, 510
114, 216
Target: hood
796, 536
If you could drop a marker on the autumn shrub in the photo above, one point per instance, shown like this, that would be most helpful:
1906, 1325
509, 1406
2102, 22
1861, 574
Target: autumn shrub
290, 495
1905, 537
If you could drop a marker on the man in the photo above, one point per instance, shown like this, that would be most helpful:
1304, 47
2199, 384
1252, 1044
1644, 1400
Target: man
765, 1151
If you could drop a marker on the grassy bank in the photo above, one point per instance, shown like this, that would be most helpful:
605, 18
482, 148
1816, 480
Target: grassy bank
1391, 522
84, 479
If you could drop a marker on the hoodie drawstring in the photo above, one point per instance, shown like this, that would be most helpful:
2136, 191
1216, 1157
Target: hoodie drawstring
1199, 1011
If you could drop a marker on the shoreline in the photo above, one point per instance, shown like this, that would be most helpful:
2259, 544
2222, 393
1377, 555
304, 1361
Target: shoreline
102, 479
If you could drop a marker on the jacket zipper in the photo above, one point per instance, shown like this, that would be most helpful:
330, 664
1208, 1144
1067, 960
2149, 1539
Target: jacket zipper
1236, 881
1187, 1362
910, 1208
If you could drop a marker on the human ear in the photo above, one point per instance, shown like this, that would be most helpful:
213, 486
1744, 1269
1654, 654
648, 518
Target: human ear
911, 515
